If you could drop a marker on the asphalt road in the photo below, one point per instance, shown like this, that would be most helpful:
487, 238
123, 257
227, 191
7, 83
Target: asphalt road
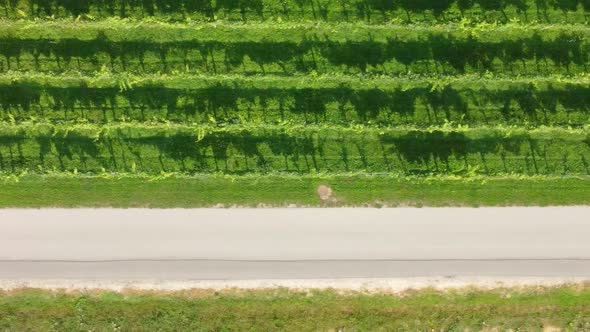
240, 244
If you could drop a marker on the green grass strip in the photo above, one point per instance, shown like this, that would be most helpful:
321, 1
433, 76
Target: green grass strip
114, 30
176, 191
127, 81
282, 310
159, 129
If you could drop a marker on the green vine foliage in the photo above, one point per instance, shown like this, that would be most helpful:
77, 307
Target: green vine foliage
243, 10
410, 88
433, 54
416, 103
242, 150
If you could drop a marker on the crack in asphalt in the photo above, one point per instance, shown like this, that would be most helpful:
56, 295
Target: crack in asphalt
576, 259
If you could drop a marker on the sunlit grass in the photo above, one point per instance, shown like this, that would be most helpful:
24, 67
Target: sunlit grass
528, 309
285, 190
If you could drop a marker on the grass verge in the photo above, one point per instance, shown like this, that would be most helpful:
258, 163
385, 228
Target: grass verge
567, 308
33, 191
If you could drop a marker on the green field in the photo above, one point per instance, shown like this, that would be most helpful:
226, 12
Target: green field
565, 308
186, 103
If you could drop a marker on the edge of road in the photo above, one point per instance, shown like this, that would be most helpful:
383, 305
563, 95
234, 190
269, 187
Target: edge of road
376, 285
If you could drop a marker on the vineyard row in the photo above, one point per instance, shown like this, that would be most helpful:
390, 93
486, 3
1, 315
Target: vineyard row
419, 103
380, 10
164, 149
435, 53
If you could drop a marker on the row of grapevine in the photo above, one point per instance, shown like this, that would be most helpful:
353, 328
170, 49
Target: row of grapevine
153, 150
394, 56
423, 103
295, 9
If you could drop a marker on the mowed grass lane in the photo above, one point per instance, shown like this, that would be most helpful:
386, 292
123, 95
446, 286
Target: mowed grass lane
282, 310
175, 191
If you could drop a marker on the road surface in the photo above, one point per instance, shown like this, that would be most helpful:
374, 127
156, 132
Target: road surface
253, 244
